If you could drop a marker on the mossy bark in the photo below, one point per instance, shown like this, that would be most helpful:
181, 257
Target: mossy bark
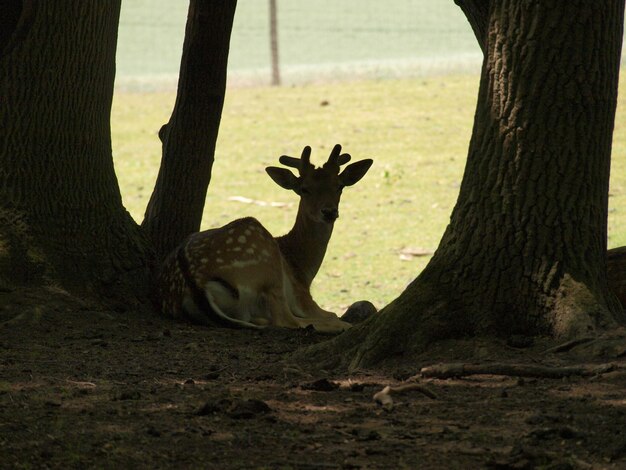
525, 251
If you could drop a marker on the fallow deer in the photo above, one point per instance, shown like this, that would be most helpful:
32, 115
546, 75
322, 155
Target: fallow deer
240, 275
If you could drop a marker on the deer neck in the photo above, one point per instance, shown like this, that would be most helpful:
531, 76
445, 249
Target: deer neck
304, 247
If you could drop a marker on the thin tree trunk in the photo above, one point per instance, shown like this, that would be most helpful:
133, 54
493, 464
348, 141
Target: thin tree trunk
175, 208
61, 214
525, 251
274, 43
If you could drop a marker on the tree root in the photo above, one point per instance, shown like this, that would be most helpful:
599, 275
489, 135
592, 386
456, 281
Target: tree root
31, 316
446, 371
569, 345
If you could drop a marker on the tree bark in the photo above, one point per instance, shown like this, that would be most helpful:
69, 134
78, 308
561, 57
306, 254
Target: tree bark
525, 251
477, 14
535, 190
15, 19
61, 217
616, 272
175, 208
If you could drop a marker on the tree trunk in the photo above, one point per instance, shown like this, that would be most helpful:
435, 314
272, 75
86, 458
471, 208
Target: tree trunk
527, 238
175, 208
61, 217
616, 272
525, 251
477, 13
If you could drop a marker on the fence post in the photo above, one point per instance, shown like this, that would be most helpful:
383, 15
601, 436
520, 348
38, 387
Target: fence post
274, 44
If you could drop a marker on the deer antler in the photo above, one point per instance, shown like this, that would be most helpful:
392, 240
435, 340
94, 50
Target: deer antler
303, 163
336, 159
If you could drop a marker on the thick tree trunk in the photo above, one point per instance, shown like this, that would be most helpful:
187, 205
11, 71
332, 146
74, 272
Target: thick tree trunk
477, 13
525, 251
175, 208
61, 215
527, 238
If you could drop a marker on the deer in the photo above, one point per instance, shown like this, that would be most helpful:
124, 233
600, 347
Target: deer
239, 275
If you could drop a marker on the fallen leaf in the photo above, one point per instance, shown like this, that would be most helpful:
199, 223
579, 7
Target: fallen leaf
247, 200
408, 253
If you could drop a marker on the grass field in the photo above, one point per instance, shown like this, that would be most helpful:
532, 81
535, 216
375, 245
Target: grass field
417, 131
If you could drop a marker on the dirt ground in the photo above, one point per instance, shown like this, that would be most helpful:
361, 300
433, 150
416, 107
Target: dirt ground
80, 389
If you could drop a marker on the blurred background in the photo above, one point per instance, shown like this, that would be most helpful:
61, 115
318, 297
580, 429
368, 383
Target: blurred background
318, 40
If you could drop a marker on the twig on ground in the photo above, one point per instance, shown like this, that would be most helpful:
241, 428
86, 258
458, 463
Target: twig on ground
384, 399
408, 253
446, 371
569, 345
81, 383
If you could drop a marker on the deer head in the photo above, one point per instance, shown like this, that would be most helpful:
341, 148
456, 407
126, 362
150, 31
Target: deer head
319, 188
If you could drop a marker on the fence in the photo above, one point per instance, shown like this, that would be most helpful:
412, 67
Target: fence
315, 40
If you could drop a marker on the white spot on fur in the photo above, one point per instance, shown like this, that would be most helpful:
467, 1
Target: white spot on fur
229, 240
243, 264
204, 260
248, 232
219, 260
250, 251
237, 248
241, 239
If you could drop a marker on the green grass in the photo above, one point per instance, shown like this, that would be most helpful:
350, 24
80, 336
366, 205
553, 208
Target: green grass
417, 131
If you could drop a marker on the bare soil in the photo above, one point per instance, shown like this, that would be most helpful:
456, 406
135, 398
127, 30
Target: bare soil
82, 389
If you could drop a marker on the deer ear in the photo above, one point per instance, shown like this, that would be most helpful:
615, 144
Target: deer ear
354, 172
283, 178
